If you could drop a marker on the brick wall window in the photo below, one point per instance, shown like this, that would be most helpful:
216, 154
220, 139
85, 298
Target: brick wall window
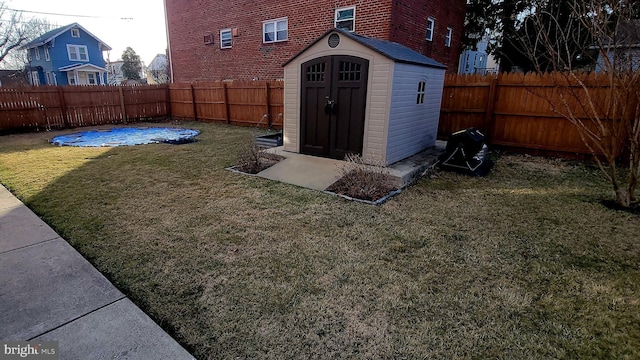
447, 39
275, 30
75, 33
225, 39
345, 18
422, 85
77, 52
431, 25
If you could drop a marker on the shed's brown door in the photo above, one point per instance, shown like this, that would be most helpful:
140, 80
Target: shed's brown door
333, 99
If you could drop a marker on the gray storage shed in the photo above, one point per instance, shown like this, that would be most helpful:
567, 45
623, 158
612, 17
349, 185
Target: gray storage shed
347, 93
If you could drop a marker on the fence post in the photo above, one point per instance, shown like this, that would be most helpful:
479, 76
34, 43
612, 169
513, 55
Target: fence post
225, 99
168, 97
489, 119
123, 109
267, 103
193, 101
63, 107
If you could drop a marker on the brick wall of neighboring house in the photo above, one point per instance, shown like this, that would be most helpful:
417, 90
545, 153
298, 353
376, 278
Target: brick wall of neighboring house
189, 21
410, 26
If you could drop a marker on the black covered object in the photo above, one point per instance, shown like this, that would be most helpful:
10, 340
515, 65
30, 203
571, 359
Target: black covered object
466, 152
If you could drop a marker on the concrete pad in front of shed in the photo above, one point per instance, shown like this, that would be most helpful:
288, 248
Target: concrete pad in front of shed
45, 286
304, 170
118, 331
20, 227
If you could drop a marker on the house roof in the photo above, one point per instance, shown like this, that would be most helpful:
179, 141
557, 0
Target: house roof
392, 50
50, 35
81, 67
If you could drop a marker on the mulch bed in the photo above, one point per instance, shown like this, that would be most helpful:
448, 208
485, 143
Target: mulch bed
266, 161
363, 185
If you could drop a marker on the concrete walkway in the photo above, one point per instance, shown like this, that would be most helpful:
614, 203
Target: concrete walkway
319, 173
49, 292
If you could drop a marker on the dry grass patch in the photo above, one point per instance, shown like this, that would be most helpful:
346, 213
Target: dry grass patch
525, 263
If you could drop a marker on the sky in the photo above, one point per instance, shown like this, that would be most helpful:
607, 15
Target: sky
139, 24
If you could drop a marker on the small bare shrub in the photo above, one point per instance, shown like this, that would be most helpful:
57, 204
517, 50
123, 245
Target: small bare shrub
252, 159
361, 181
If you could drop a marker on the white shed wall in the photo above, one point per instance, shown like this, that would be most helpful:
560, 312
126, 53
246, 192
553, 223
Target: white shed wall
413, 127
378, 99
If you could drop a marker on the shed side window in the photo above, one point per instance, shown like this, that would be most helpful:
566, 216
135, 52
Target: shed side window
345, 19
421, 90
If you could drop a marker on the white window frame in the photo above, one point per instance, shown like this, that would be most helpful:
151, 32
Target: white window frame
75, 33
35, 78
431, 27
47, 56
447, 39
29, 55
275, 31
336, 21
76, 49
230, 40
37, 50
90, 77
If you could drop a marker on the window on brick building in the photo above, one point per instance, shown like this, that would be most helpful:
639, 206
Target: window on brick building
225, 39
345, 19
431, 25
447, 39
275, 30
422, 86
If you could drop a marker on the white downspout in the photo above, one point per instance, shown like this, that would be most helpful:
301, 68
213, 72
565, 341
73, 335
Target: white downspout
166, 22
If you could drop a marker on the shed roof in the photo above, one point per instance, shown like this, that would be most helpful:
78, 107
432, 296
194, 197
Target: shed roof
50, 35
392, 50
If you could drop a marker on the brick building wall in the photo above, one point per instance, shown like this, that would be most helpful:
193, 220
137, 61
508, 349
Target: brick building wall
409, 22
189, 21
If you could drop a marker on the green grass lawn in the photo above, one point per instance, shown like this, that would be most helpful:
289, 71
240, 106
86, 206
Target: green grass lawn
523, 264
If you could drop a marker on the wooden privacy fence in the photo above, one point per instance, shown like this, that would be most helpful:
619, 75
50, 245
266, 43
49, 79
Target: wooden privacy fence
57, 107
246, 103
513, 110
516, 110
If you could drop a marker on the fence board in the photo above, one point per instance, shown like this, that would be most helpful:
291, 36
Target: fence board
525, 110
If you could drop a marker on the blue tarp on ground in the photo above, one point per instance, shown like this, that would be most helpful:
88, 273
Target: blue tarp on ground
126, 136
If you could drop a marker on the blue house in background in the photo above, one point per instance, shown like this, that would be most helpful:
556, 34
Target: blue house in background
69, 55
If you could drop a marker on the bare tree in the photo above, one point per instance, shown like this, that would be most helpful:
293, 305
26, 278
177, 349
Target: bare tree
604, 107
16, 31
